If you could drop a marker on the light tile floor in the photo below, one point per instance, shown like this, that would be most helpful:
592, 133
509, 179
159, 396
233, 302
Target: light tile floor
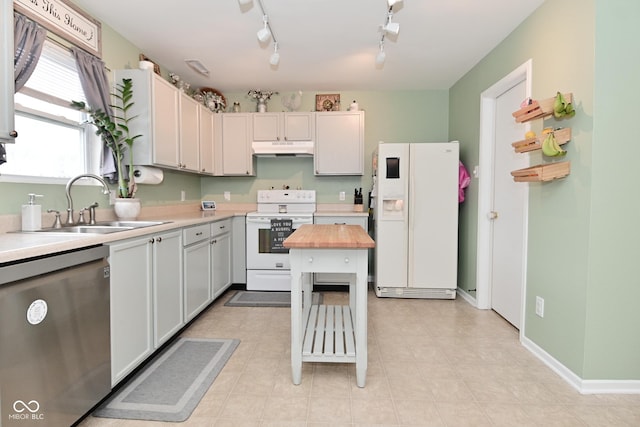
431, 363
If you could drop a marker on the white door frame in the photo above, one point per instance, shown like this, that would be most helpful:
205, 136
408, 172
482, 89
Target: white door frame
485, 186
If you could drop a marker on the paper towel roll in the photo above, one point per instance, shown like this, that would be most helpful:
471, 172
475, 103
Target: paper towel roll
148, 175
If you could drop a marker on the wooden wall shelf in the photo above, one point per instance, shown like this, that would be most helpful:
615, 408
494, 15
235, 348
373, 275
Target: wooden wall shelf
538, 109
546, 172
562, 136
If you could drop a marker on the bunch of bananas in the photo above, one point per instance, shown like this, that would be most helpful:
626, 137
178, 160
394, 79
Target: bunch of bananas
561, 108
550, 146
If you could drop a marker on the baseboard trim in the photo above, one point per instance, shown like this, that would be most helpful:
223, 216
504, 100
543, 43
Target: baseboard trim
467, 297
582, 386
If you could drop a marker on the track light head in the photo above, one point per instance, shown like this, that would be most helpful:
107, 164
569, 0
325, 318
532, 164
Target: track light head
247, 2
392, 28
275, 56
264, 34
392, 2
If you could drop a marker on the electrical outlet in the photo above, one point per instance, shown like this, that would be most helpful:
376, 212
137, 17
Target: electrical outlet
183, 196
342, 195
540, 306
227, 195
112, 197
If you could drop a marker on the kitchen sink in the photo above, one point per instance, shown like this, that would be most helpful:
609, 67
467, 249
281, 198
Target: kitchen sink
102, 227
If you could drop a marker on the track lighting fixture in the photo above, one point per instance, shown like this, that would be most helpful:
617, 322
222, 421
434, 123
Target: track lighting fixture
388, 29
247, 2
264, 33
275, 56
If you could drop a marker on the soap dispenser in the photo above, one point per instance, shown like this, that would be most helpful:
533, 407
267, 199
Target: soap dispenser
32, 214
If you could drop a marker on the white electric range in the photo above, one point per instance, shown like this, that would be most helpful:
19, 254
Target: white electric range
280, 213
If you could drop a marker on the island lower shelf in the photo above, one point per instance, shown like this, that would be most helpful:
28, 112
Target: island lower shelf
329, 334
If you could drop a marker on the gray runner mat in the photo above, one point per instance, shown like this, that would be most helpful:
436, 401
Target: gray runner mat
266, 299
171, 386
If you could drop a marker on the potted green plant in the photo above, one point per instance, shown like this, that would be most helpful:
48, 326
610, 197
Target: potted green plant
114, 132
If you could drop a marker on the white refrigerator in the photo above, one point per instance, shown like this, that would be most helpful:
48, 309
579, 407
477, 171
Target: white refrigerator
417, 220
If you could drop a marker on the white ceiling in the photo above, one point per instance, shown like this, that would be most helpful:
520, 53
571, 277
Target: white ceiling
324, 44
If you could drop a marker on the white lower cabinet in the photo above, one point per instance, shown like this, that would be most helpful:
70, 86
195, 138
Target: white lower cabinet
338, 278
161, 281
167, 286
220, 256
196, 270
146, 302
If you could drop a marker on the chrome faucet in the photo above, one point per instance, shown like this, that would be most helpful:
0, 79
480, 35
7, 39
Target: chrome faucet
105, 190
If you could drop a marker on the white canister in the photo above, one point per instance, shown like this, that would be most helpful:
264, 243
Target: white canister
354, 106
145, 65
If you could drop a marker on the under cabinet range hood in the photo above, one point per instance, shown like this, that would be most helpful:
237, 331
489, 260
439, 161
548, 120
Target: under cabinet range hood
282, 148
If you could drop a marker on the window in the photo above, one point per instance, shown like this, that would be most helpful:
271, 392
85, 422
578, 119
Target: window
53, 144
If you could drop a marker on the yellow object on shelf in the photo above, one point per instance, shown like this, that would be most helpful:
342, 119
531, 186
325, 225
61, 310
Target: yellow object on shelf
562, 136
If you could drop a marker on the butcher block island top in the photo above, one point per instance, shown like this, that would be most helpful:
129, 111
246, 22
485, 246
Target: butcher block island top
347, 236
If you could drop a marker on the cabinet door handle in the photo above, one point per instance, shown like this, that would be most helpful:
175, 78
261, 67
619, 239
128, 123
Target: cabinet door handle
152, 240
159, 239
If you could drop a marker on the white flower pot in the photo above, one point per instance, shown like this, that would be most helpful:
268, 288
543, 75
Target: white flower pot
127, 209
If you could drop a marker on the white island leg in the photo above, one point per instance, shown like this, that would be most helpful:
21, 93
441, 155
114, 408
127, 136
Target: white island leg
361, 292
296, 320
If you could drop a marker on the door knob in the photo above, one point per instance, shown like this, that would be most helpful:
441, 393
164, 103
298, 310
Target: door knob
492, 215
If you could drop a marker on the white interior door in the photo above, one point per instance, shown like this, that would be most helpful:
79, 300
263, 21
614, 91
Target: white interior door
507, 213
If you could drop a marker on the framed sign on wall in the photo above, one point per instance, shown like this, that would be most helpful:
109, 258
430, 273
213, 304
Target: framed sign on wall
66, 20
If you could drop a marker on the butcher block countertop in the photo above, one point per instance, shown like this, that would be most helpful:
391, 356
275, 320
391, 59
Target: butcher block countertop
326, 236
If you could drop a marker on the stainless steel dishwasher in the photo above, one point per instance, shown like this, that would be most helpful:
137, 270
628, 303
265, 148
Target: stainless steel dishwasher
55, 362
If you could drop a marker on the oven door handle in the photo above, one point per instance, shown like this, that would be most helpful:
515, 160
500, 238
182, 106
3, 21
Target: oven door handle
268, 220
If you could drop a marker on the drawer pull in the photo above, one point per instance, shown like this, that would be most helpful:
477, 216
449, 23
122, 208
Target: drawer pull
310, 259
199, 233
346, 260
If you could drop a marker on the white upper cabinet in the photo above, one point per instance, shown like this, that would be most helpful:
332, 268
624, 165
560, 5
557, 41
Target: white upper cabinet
189, 134
167, 119
207, 140
339, 144
283, 126
237, 158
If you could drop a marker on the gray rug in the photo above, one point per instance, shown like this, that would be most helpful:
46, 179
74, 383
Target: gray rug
171, 386
266, 299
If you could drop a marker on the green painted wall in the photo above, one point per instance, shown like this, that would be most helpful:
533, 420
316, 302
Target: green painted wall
612, 342
579, 251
